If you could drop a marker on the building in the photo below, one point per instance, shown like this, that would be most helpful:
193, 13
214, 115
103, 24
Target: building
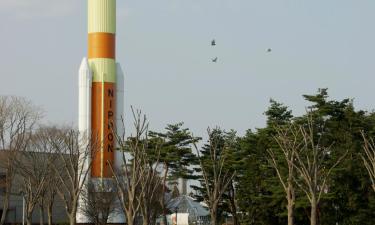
15, 213
186, 211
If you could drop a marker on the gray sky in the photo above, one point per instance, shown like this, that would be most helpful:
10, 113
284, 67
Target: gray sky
164, 48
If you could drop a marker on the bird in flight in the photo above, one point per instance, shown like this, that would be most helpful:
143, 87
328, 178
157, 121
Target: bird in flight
269, 50
214, 60
213, 42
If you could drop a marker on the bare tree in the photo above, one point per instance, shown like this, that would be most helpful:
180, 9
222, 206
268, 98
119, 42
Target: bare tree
73, 151
151, 190
99, 203
137, 181
33, 180
311, 165
289, 141
33, 170
215, 177
18, 117
369, 157
50, 194
41, 207
47, 135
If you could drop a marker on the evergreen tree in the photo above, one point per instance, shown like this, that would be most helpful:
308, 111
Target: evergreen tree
260, 195
175, 155
216, 170
349, 199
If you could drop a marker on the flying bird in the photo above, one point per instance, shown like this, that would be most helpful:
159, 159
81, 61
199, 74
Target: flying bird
214, 60
213, 42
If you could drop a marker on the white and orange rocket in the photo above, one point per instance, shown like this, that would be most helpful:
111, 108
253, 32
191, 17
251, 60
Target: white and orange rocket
101, 90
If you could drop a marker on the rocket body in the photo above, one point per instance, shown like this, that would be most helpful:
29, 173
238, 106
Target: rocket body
101, 96
101, 59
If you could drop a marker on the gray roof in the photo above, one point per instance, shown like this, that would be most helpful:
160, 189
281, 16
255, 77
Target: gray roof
187, 204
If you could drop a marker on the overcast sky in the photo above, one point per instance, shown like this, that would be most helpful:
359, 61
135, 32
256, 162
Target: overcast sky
164, 48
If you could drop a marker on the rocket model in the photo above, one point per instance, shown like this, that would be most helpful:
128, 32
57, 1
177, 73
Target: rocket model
101, 93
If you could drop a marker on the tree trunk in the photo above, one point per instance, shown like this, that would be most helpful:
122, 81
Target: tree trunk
162, 200
49, 214
214, 216
29, 218
72, 219
5, 208
290, 212
129, 217
145, 221
153, 217
9, 181
235, 219
232, 204
29, 211
41, 214
313, 211
290, 206
73, 214
145, 216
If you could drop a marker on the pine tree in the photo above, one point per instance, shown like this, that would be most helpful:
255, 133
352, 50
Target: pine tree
175, 155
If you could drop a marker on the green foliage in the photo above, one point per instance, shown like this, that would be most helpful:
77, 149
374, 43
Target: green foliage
223, 140
260, 199
175, 151
260, 195
218, 159
350, 199
277, 114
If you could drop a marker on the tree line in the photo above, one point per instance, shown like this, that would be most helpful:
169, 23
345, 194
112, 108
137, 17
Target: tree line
315, 168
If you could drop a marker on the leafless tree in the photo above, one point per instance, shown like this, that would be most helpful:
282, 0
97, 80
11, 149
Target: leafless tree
151, 190
311, 165
99, 203
73, 151
47, 135
215, 177
155, 208
41, 206
50, 194
137, 181
369, 157
18, 117
33, 181
289, 141
33, 170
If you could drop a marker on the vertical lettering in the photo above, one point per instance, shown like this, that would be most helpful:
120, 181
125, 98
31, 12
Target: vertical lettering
110, 137
110, 93
110, 114
110, 125
110, 148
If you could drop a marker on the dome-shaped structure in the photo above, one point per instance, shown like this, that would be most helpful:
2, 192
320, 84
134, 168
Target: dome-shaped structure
188, 211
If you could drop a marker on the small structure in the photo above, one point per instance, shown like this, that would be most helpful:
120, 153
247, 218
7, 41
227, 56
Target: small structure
186, 211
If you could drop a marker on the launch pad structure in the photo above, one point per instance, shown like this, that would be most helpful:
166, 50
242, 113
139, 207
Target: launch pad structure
101, 96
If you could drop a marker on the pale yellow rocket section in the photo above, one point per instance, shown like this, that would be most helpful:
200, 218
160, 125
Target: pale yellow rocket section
103, 70
102, 16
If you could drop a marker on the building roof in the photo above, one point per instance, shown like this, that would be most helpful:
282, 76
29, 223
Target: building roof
187, 204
